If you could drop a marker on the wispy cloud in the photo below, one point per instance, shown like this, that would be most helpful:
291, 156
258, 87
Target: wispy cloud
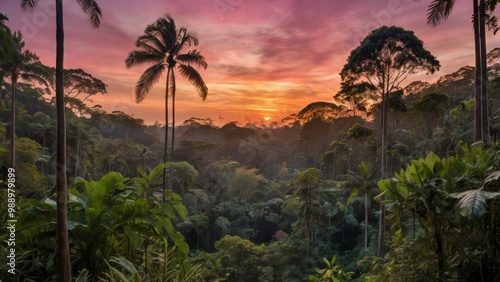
265, 57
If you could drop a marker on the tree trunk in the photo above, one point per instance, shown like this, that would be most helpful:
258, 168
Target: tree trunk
77, 158
477, 78
440, 254
43, 144
173, 130
485, 128
366, 220
63, 256
3, 101
165, 148
383, 172
173, 117
13, 124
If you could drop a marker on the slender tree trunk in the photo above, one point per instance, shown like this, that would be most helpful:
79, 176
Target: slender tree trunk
477, 78
383, 172
173, 130
77, 158
63, 256
2, 93
43, 144
366, 220
13, 124
165, 148
173, 117
308, 223
440, 255
485, 128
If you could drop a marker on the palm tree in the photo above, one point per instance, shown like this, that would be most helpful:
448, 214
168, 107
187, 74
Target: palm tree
93, 12
307, 181
362, 181
24, 65
162, 45
5, 45
440, 10
44, 126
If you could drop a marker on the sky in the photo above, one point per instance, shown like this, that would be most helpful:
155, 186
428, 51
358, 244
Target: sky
266, 59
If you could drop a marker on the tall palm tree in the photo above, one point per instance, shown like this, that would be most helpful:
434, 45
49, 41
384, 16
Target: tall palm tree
440, 10
7, 49
162, 45
362, 181
94, 15
24, 65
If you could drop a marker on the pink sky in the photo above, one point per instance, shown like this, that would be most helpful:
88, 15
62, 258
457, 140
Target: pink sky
265, 58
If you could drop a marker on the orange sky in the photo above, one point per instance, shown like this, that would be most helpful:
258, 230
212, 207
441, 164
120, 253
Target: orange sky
265, 58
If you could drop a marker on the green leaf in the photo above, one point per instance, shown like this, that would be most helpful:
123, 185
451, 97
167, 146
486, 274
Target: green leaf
431, 160
353, 195
73, 224
125, 264
180, 209
116, 272
492, 177
472, 203
183, 247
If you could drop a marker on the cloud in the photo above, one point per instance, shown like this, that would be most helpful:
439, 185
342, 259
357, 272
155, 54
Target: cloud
263, 56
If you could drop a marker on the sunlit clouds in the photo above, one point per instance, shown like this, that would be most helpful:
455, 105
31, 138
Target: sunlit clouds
266, 59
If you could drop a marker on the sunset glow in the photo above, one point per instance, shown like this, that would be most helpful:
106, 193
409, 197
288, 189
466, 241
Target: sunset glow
265, 58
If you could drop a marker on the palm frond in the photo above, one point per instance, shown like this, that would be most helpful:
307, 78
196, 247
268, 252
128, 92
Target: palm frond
160, 44
3, 18
490, 5
193, 57
439, 10
8, 47
181, 36
151, 41
140, 57
148, 47
164, 29
92, 10
167, 19
192, 39
184, 39
29, 4
18, 39
147, 80
195, 78
166, 22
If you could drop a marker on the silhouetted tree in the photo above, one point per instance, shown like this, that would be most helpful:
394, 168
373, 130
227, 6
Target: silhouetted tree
384, 59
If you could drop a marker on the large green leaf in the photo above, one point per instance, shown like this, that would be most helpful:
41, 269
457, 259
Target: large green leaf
472, 203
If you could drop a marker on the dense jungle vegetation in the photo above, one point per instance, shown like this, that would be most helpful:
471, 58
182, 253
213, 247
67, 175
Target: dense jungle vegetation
301, 200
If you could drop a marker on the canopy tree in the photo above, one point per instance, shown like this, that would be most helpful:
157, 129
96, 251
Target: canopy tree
440, 10
162, 45
78, 87
93, 12
384, 59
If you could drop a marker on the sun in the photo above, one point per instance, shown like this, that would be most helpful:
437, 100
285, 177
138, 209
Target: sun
267, 118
